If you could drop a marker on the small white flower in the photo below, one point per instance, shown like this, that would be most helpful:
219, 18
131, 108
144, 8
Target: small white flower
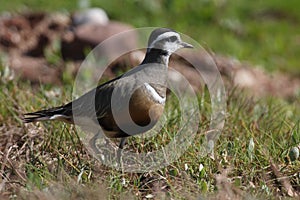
149, 196
123, 181
186, 167
200, 167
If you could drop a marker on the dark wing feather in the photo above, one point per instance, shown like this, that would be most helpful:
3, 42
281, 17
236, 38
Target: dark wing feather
81, 106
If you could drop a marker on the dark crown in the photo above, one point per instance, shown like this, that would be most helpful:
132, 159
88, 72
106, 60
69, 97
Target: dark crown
158, 32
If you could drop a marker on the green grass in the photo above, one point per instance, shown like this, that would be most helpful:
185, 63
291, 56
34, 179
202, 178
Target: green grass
49, 158
52, 158
264, 33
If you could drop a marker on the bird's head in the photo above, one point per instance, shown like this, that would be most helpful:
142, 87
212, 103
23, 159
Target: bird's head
166, 40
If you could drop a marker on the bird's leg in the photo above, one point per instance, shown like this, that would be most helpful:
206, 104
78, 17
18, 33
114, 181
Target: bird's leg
92, 142
121, 145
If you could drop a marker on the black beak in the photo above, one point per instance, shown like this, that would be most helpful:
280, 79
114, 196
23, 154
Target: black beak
186, 45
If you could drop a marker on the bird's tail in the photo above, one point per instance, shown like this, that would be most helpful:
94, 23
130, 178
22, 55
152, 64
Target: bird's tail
63, 113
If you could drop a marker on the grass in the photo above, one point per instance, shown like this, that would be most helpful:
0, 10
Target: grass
48, 160
52, 159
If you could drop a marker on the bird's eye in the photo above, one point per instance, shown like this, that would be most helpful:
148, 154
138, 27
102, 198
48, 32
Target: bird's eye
172, 38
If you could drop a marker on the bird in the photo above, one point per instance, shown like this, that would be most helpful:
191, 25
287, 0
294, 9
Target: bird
129, 104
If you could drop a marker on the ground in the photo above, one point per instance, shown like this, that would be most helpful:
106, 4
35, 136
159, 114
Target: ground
256, 156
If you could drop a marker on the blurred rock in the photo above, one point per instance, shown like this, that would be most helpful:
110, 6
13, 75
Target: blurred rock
126, 61
257, 81
181, 72
241, 74
36, 70
13, 32
88, 36
197, 58
31, 33
90, 16
25, 37
294, 153
46, 32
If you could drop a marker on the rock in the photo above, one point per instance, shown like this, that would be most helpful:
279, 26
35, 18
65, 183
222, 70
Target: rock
184, 72
34, 69
31, 33
46, 33
294, 153
88, 36
197, 66
243, 75
90, 16
13, 32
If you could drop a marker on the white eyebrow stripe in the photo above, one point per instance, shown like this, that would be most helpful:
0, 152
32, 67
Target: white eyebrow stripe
164, 35
154, 94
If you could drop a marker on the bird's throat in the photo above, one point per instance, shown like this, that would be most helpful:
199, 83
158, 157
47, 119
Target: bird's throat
159, 56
